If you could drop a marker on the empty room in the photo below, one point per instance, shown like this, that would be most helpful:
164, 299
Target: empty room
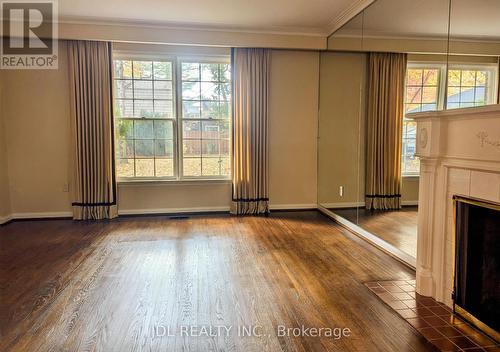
250, 175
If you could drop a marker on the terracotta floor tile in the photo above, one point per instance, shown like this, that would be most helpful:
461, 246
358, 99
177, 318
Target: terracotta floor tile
407, 313
445, 345
463, 342
448, 331
452, 319
387, 297
430, 333
399, 282
444, 306
401, 295
435, 321
393, 289
423, 312
412, 294
418, 323
426, 301
439, 310
407, 288
396, 305
410, 303
386, 283
491, 349
466, 329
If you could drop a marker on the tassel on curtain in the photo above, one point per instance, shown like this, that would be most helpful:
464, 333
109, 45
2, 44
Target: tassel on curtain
250, 131
384, 134
93, 174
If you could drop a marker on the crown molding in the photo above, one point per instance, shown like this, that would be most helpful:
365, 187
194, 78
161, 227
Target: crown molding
153, 33
123, 22
349, 13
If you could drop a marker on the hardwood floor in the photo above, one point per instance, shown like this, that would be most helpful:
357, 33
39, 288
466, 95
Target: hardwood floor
398, 227
118, 285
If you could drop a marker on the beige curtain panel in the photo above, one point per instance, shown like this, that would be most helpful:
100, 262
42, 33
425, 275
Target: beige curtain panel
384, 130
93, 170
250, 131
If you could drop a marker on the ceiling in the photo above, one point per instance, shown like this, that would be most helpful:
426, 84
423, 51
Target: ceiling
293, 16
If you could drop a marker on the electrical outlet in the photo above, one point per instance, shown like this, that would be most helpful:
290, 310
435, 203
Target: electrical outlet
66, 188
341, 191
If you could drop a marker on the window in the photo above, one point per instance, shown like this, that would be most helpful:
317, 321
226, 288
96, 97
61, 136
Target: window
206, 101
172, 118
422, 94
469, 87
144, 113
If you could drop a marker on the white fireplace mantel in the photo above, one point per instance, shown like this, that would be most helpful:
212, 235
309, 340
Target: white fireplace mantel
459, 153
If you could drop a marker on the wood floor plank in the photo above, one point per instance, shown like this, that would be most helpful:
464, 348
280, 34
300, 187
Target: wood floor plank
396, 227
110, 286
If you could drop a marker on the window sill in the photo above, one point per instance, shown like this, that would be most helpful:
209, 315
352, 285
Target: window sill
411, 177
130, 182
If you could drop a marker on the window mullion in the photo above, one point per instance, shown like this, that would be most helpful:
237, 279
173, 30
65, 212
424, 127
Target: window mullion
179, 119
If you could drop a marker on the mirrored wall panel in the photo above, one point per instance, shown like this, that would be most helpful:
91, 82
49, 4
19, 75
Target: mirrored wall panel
387, 62
342, 86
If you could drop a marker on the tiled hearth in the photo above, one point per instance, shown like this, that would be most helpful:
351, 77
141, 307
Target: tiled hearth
432, 319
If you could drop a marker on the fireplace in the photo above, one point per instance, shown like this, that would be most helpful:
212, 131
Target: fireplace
476, 293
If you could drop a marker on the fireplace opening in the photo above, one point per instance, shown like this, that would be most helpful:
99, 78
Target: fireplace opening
476, 295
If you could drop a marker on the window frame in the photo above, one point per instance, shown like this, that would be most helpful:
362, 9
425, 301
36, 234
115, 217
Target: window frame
442, 98
176, 60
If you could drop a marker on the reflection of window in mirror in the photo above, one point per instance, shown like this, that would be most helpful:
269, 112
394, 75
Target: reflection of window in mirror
468, 86
424, 84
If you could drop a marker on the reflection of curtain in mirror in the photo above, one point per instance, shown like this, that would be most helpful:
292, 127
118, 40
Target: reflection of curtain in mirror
250, 142
384, 130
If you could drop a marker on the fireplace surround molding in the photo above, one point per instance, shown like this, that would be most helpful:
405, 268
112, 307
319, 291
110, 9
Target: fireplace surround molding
459, 153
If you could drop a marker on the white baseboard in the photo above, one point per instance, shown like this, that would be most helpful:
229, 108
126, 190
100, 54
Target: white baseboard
293, 206
360, 204
48, 215
343, 205
43, 215
171, 210
207, 209
5, 219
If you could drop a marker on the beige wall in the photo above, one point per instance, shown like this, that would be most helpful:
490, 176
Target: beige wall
293, 125
4, 177
36, 114
36, 111
341, 129
409, 191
